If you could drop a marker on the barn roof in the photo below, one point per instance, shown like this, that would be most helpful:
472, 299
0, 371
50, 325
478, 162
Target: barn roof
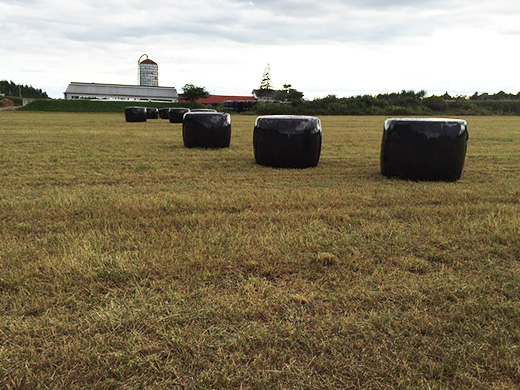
122, 90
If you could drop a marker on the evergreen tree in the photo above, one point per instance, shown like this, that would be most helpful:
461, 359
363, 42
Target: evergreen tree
265, 84
8, 88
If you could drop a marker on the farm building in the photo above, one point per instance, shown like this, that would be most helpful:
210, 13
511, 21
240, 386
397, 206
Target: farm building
92, 91
148, 72
214, 100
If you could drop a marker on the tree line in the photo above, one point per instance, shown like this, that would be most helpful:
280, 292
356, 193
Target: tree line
11, 89
290, 101
400, 103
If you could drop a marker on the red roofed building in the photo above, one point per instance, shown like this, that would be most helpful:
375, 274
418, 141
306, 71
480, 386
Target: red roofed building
213, 100
228, 103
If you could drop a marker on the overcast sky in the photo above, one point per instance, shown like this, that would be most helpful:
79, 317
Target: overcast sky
346, 48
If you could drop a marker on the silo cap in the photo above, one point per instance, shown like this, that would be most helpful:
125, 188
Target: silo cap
148, 61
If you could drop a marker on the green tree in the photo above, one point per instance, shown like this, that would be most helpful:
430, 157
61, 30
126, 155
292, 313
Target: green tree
435, 103
290, 95
265, 84
266, 89
9, 88
192, 93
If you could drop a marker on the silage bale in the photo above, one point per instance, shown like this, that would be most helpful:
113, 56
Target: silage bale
177, 113
287, 141
206, 130
203, 110
431, 149
152, 113
135, 114
164, 113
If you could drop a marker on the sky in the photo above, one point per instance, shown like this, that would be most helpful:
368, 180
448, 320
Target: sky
346, 48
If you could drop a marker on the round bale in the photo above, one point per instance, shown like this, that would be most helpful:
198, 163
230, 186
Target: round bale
177, 113
152, 113
206, 130
431, 149
135, 114
287, 141
164, 113
203, 110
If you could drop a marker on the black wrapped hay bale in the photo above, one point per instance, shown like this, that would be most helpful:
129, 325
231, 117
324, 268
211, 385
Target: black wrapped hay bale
135, 114
177, 113
164, 113
206, 130
239, 105
424, 148
152, 113
287, 141
203, 110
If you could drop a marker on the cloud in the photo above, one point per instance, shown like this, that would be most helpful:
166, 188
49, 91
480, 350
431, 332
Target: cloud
225, 44
258, 22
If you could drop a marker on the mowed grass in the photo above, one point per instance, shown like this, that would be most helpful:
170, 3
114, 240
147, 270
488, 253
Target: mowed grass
131, 262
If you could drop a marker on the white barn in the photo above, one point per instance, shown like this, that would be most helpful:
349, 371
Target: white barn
92, 91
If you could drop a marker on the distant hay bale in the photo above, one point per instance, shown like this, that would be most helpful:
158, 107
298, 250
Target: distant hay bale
164, 113
431, 149
239, 105
287, 141
152, 113
135, 114
6, 103
203, 110
206, 130
177, 113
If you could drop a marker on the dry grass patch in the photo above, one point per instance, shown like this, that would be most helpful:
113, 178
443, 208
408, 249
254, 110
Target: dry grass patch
129, 261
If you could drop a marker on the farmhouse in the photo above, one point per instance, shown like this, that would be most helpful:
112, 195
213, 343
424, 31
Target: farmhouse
92, 91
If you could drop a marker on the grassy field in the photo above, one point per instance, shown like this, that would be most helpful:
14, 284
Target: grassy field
131, 262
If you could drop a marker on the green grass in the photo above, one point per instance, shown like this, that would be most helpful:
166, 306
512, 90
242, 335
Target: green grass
129, 261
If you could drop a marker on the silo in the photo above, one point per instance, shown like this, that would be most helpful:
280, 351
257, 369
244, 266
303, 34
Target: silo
148, 72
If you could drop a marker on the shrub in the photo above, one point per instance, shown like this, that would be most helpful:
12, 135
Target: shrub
398, 110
